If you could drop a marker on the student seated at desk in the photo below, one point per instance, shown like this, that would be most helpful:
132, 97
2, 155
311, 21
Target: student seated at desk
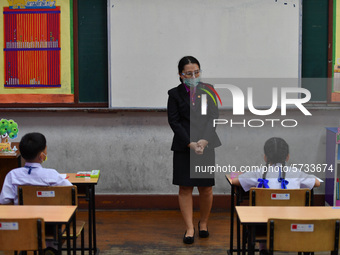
275, 174
34, 150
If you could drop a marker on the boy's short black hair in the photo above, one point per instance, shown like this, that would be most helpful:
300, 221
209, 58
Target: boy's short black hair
31, 145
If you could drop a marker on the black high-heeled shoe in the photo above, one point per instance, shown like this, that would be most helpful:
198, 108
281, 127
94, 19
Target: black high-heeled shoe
202, 233
188, 239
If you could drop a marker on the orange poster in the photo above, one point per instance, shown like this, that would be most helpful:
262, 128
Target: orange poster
37, 52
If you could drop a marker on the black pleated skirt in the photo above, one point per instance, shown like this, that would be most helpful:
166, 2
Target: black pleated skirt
190, 169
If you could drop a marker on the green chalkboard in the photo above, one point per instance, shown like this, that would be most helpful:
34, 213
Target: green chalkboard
314, 47
92, 50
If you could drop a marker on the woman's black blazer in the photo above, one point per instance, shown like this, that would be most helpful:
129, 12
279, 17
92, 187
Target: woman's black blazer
187, 122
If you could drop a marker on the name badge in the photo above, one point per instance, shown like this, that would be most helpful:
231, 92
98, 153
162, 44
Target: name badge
302, 227
9, 226
45, 193
280, 196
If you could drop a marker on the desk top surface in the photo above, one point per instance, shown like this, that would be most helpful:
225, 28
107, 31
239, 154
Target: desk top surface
228, 177
81, 180
50, 213
261, 214
231, 176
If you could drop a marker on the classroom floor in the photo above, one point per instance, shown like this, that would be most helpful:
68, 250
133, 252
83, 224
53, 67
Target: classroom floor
156, 232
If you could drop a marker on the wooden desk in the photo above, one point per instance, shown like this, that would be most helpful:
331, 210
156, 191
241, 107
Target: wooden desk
87, 186
239, 194
9, 162
53, 215
252, 216
261, 214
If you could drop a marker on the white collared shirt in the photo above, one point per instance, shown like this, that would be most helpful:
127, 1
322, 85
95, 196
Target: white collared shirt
296, 179
19, 176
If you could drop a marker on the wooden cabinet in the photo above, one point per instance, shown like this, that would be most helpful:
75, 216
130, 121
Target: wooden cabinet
9, 162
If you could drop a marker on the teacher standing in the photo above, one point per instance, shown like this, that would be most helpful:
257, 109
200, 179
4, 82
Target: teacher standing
193, 144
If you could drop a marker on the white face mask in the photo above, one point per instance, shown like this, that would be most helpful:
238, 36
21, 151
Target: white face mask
192, 82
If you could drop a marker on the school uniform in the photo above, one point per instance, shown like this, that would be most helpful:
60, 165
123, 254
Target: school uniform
295, 179
30, 174
189, 125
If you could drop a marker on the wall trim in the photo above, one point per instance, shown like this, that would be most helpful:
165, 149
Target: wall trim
163, 202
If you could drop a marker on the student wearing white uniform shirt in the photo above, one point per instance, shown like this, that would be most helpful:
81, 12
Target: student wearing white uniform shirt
276, 175
33, 149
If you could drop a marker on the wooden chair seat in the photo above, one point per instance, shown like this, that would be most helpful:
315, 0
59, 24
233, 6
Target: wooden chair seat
79, 228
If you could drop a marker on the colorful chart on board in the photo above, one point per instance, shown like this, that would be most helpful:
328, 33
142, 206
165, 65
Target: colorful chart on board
37, 57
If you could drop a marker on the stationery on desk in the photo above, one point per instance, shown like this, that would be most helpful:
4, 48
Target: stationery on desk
88, 174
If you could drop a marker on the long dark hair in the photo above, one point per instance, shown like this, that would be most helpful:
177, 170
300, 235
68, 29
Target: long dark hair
276, 150
185, 61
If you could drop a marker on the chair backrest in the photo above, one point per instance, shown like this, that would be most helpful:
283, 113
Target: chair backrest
298, 235
47, 195
27, 234
279, 197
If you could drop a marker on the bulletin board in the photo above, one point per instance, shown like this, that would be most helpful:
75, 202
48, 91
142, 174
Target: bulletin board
37, 55
335, 93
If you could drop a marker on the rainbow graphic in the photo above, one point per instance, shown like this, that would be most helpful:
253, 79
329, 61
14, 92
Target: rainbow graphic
209, 93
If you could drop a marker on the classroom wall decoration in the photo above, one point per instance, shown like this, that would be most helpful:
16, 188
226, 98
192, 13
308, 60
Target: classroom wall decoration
37, 51
335, 96
8, 130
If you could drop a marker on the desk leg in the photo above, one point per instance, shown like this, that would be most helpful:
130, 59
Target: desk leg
238, 223
238, 236
94, 220
244, 238
232, 212
90, 218
251, 240
59, 239
68, 241
74, 234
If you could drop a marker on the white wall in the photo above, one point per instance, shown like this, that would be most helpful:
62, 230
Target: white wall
132, 149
